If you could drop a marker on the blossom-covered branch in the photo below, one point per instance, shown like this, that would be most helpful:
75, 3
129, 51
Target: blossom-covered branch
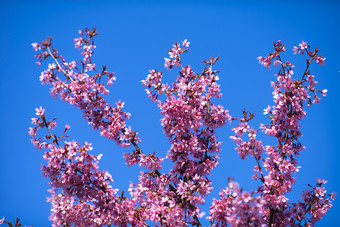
280, 163
82, 195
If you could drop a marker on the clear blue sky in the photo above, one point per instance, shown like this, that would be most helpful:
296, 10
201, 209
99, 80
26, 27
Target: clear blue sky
135, 37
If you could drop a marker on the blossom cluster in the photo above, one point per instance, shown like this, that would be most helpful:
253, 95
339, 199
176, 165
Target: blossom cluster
238, 208
175, 54
73, 83
280, 163
189, 121
82, 195
185, 190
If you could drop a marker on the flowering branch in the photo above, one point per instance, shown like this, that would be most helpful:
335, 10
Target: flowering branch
280, 163
82, 195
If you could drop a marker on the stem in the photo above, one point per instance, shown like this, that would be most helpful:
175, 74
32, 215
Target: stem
180, 62
56, 61
258, 164
198, 223
307, 67
55, 140
271, 217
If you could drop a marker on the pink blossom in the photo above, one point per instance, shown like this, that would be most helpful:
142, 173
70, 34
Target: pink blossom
52, 66
78, 42
36, 46
89, 67
301, 49
321, 181
303, 45
320, 60
267, 110
35, 120
87, 146
324, 92
46, 77
52, 124
67, 127
32, 132
277, 62
173, 53
333, 195
295, 49
168, 63
320, 191
40, 111
185, 43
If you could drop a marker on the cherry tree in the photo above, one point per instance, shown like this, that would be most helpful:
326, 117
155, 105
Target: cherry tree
82, 195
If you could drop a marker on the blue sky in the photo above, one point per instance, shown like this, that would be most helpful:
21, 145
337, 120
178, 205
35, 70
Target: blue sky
135, 37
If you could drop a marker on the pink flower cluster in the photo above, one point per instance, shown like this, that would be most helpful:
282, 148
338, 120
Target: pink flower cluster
304, 48
313, 207
81, 194
84, 90
189, 121
280, 163
175, 53
252, 147
238, 208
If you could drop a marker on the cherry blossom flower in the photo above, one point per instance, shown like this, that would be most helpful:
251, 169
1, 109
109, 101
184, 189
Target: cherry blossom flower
39, 111
267, 110
36, 46
185, 43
